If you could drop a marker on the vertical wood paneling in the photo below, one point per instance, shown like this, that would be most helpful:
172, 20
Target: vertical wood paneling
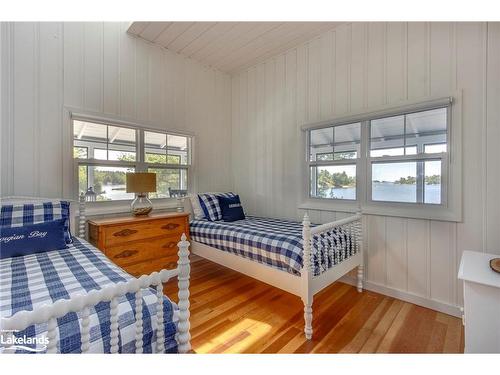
493, 139
313, 77
156, 79
290, 137
269, 86
93, 66
441, 56
50, 115
235, 123
376, 61
260, 196
417, 256
373, 64
25, 108
278, 159
142, 81
180, 78
342, 48
376, 254
168, 89
97, 67
442, 240
127, 74
396, 265
326, 73
358, 62
395, 70
417, 59
111, 68
300, 111
74, 64
241, 157
470, 77
251, 152
6, 113
4, 122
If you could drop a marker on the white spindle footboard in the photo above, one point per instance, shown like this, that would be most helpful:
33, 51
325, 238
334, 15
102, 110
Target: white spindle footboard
330, 251
83, 302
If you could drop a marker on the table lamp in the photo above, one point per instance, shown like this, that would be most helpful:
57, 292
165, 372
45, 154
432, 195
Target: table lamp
141, 184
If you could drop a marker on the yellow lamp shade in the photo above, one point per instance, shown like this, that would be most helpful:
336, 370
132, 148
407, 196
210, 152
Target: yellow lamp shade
141, 182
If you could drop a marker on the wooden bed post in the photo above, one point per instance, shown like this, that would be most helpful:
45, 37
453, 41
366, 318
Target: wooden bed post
359, 235
183, 335
306, 276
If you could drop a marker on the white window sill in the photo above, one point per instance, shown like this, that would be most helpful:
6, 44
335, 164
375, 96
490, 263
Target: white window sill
384, 209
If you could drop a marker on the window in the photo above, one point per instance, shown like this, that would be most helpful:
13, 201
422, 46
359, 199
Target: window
406, 154
333, 154
392, 158
104, 153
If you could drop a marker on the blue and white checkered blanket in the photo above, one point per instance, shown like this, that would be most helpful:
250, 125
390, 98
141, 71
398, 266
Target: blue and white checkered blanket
274, 242
27, 282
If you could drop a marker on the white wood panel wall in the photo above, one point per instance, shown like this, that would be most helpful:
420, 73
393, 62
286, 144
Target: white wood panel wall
97, 67
362, 65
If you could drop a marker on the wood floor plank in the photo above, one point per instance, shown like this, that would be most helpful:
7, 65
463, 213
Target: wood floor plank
371, 345
343, 332
366, 331
454, 339
396, 325
233, 313
414, 334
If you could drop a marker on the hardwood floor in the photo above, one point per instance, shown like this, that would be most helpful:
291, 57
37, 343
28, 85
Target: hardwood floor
233, 313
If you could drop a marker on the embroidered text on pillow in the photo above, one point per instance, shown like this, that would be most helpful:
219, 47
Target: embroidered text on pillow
19, 215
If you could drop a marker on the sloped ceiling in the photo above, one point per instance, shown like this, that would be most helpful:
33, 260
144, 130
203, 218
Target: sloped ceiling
229, 46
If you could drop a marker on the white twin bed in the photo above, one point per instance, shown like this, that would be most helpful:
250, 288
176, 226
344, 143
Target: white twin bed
88, 304
75, 300
299, 258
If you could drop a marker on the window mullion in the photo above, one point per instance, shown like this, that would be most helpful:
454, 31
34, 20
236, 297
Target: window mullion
362, 170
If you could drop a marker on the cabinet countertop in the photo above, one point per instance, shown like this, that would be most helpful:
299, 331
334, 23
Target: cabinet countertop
475, 267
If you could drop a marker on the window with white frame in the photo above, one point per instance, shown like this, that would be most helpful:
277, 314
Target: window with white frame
392, 157
333, 154
104, 153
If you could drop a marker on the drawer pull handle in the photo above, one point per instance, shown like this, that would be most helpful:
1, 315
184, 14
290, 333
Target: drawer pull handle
169, 245
126, 254
124, 233
170, 226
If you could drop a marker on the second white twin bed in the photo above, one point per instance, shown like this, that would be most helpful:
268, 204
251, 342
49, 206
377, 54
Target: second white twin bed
300, 258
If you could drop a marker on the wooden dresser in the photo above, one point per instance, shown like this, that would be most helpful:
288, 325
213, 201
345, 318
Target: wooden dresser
140, 245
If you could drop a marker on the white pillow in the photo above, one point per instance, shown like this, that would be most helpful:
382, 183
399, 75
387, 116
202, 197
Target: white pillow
196, 207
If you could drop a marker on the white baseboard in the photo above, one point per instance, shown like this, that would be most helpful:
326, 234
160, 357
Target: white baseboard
408, 297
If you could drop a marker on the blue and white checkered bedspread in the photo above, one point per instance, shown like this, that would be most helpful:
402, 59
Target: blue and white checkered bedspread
274, 242
27, 282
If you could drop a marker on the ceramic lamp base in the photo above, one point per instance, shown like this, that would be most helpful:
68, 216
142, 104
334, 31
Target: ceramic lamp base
141, 205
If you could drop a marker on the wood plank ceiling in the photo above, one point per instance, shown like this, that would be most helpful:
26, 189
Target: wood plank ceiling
229, 46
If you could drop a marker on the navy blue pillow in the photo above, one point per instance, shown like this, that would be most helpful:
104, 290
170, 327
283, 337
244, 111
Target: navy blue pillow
231, 208
32, 238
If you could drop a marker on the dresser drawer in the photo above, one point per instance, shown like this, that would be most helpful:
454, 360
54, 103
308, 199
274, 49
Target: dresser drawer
119, 234
141, 251
146, 268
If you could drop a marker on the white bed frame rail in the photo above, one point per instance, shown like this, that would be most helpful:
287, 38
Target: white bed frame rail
82, 303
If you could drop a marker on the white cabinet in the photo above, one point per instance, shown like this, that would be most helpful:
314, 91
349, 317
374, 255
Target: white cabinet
481, 302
